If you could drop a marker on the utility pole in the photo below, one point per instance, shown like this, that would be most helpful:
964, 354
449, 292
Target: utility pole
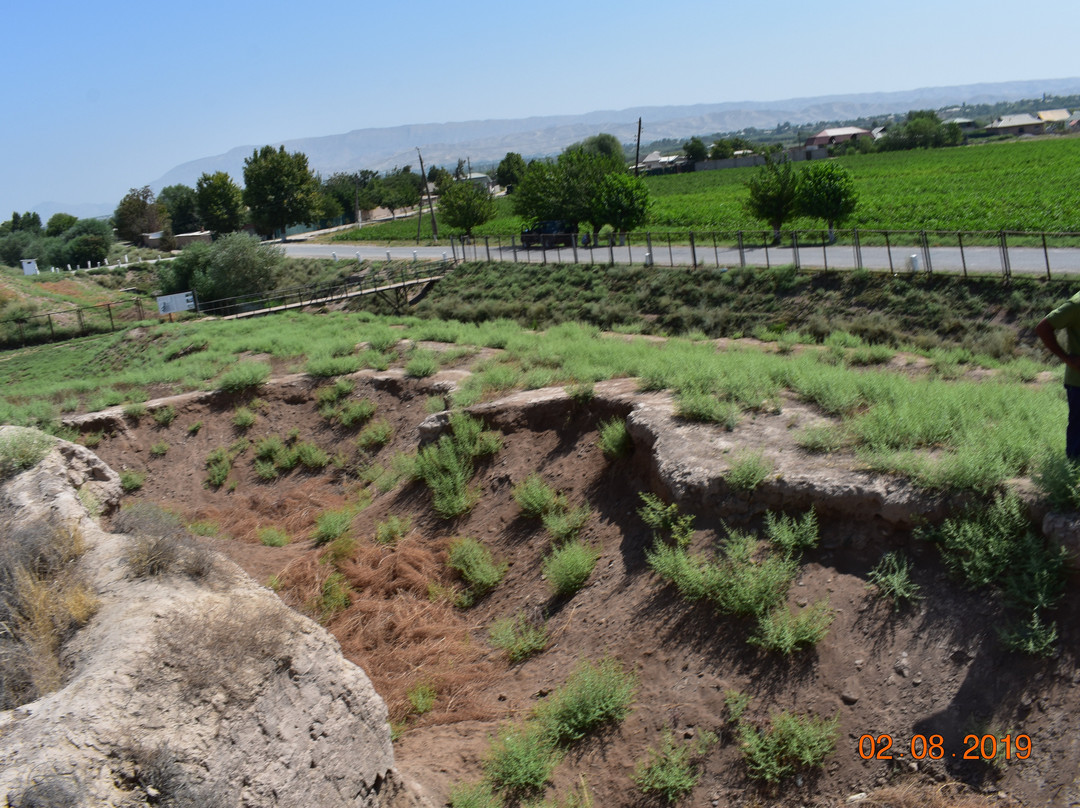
637, 151
431, 206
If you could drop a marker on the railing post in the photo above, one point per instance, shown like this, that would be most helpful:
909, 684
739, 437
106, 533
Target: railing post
963, 258
888, 248
514, 247
693, 251
671, 255
926, 252
795, 248
825, 250
487, 246
453, 249
715, 250
611, 251
858, 248
1006, 269
82, 325
1046, 256
765, 244
629, 252
648, 248
573, 243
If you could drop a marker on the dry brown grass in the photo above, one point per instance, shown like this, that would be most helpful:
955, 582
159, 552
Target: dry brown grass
399, 636
920, 793
43, 600
293, 511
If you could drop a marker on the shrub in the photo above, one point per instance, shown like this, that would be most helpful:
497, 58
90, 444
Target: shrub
665, 520
821, 439
477, 568
566, 525
671, 769
518, 637
273, 536
568, 567
791, 534
353, 413
131, 481
422, 364
21, 449
335, 596
244, 376
163, 416
243, 418
697, 405
158, 544
218, 465
790, 743
748, 471
522, 759
392, 529
614, 439
159, 449
422, 698
536, 498
1059, 480
783, 632
595, 694
327, 366
374, 436
329, 525
311, 456
194, 428
135, 410
892, 577
475, 795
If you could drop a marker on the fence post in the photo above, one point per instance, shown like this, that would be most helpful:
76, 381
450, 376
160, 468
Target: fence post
139, 309
715, 250
648, 249
1006, 270
795, 248
573, 245
487, 246
765, 244
671, 255
888, 248
1046, 256
858, 248
611, 251
963, 259
514, 247
629, 252
112, 325
693, 251
926, 252
825, 250
453, 249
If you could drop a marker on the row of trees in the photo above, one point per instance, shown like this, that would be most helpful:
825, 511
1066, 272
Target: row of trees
64, 240
822, 190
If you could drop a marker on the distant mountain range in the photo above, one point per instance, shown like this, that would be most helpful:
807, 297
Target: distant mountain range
486, 142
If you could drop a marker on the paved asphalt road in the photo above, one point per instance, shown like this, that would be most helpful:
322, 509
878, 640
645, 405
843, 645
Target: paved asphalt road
977, 260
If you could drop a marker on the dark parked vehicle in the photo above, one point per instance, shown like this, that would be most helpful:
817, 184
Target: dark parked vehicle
548, 234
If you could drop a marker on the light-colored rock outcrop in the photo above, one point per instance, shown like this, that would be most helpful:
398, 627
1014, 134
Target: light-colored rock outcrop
187, 691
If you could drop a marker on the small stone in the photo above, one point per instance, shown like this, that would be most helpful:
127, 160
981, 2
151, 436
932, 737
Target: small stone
913, 766
502, 697
862, 795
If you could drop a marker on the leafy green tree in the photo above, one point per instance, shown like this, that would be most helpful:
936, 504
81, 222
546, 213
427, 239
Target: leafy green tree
826, 191
280, 189
466, 205
773, 189
138, 213
604, 144
721, 150
220, 202
182, 204
510, 171
537, 196
695, 150
58, 223
353, 191
399, 189
236, 264
621, 201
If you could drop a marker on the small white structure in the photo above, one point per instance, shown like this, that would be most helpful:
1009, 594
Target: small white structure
29, 266
182, 301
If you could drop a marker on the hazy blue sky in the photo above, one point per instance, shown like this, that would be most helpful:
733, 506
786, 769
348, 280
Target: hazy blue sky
102, 97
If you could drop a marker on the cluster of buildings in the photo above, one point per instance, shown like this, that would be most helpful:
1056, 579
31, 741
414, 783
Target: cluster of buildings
1013, 125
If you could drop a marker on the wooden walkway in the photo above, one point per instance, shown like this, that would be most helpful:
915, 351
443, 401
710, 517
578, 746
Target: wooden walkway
336, 297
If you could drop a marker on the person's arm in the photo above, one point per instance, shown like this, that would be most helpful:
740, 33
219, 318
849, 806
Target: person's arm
1048, 335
